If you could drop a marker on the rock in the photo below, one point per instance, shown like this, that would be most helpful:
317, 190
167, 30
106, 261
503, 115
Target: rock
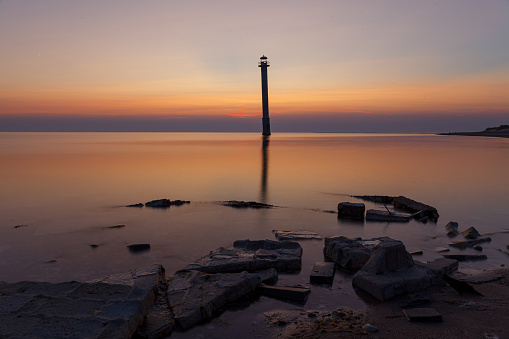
413, 206
78, 310
251, 256
369, 328
379, 215
165, 203
478, 278
269, 276
293, 293
351, 210
296, 235
160, 203
380, 199
478, 248
415, 301
422, 315
195, 296
419, 252
94, 246
470, 233
348, 253
388, 256
135, 205
390, 271
137, 248
245, 204
442, 249
116, 226
452, 229
460, 286
463, 257
19, 226
462, 244
322, 273
437, 268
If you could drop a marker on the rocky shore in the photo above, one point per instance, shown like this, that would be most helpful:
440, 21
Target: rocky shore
406, 297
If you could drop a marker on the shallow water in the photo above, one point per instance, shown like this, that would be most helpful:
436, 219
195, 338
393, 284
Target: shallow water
67, 187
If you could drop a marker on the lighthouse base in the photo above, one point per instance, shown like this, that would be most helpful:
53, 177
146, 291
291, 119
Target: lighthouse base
266, 126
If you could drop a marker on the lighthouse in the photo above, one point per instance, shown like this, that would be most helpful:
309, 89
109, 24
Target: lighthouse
263, 64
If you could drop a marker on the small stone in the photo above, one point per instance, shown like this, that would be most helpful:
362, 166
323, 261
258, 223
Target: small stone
116, 226
370, 328
470, 233
94, 246
135, 205
478, 248
416, 252
452, 228
442, 249
136, 248
422, 315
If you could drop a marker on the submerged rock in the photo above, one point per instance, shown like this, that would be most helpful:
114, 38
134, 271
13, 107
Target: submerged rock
245, 204
251, 256
296, 235
380, 215
297, 294
165, 203
462, 244
137, 248
136, 205
196, 296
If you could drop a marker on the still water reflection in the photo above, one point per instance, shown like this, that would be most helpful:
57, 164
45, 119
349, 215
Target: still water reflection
69, 187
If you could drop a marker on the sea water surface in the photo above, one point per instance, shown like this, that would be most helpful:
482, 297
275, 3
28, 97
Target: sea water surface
60, 192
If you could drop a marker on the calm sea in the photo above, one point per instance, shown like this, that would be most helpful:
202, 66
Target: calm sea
65, 189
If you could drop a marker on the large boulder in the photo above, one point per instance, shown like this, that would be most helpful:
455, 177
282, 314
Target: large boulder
251, 256
390, 271
195, 296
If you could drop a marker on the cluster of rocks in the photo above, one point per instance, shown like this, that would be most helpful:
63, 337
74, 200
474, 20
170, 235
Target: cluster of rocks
384, 267
415, 209
472, 239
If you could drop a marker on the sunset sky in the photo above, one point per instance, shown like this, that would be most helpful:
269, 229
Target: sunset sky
336, 66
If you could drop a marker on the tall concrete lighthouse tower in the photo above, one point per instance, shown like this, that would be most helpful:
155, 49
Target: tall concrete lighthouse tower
263, 64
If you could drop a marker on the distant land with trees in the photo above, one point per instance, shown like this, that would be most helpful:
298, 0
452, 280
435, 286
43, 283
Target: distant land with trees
501, 131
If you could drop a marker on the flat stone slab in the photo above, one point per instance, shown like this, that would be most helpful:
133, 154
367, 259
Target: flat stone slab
251, 256
349, 253
322, 273
293, 293
413, 206
195, 296
464, 257
462, 244
380, 215
79, 310
350, 210
296, 235
422, 315
245, 204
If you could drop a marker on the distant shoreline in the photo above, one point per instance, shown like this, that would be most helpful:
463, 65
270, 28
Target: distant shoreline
499, 134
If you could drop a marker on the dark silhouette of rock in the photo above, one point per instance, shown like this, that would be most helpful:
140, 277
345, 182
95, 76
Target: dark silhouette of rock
460, 286
380, 215
297, 294
136, 205
195, 296
429, 315
137, 248
165, 203
94, 246
116, 226
245, 204
452, 229
349, 253
322, 273
251, 256
421, 210
470, 233
350, 210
